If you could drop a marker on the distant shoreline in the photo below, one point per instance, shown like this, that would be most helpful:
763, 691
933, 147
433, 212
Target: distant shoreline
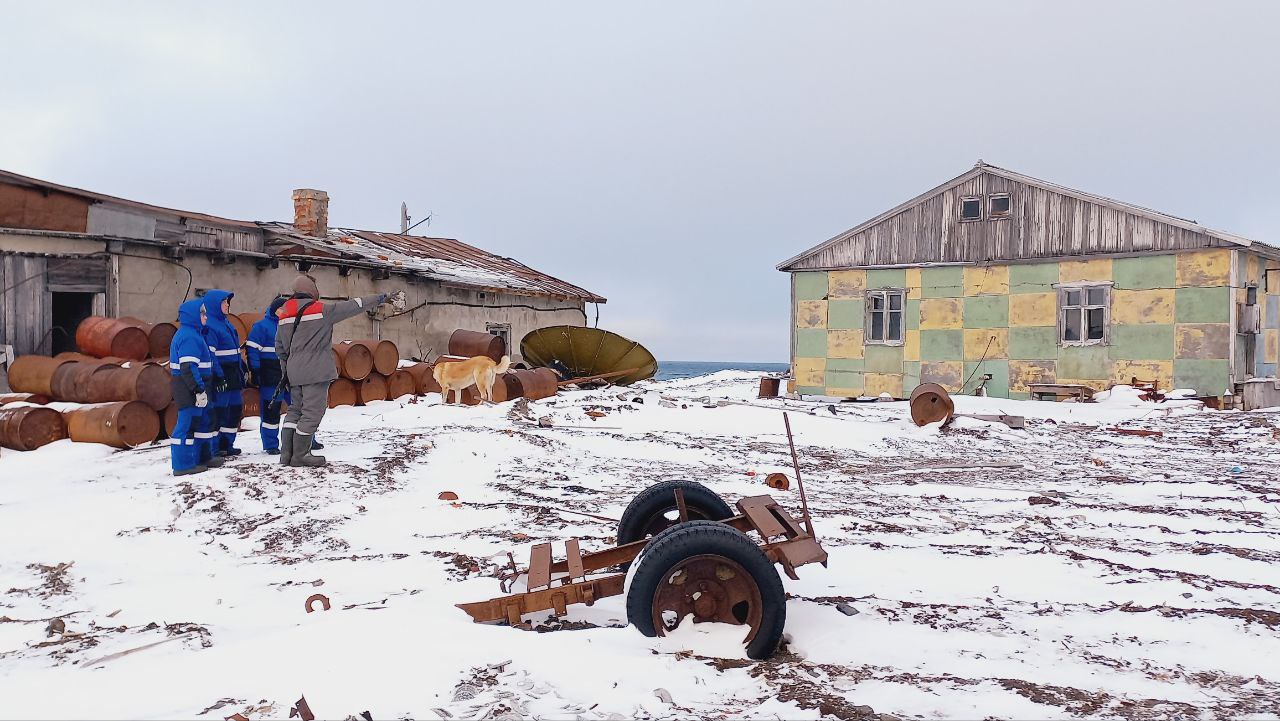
668, 370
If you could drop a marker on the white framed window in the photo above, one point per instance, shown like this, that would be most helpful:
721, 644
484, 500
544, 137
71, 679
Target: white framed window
885, 315
971, 207
999, 205
1084, 314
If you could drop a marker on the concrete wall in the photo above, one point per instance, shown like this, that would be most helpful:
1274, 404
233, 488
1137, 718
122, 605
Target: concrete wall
1171, 320
151, 289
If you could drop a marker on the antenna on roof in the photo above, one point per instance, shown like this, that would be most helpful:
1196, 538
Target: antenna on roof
404, 219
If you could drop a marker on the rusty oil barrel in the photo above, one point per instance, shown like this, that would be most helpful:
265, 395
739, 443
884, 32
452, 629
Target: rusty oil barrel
250, 403
36, 398
169, 419
931, 403
146, 382
537, 383
242, 330
126, 424
372, 388
136, 323
506, 387
160, 338
34, 373
424, 382
249, 319
355, 361
29, 427
342, 392
769, 386
102, 337
82, 381
470, 343
386, 356
401, 384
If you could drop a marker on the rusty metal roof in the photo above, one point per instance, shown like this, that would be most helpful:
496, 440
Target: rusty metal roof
444, 259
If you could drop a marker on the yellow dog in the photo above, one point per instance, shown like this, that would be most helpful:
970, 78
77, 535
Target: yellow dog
480, 371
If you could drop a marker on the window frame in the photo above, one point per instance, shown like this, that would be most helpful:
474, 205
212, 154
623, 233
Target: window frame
976, 198
1084, 287
501, 330
991, 214
867, 311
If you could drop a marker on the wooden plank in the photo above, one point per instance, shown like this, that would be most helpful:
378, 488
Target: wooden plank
540, 566
574, 559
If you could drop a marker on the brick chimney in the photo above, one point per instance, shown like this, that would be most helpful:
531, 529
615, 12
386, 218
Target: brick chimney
311, 212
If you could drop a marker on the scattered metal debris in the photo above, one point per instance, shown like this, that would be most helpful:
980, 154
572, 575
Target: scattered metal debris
302, 710
777, 482
447, 496
317, 597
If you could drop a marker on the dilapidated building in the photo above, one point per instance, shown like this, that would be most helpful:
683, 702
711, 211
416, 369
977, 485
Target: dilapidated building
67, 253
994, 273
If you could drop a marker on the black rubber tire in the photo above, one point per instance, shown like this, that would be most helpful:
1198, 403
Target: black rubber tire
660, 498
686, 540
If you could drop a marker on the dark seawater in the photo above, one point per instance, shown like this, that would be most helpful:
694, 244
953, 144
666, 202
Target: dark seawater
687, 369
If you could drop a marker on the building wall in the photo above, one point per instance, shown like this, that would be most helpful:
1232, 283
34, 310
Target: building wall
151, 289
1253, 269
1171, 320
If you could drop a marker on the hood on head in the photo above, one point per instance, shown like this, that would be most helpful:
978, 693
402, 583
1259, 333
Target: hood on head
213, 302
275, 306
306, 285
189, 313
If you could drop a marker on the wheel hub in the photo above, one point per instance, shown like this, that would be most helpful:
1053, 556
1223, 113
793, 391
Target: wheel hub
711, 588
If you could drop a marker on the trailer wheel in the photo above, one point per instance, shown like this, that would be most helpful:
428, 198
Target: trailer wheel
654, 509
717, 574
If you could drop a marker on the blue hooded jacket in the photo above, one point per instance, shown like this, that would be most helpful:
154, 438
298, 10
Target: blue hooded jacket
224, 343
261, 347
190, 362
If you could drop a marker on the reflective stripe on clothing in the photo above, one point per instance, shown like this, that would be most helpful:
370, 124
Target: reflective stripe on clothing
231, 351
272, 426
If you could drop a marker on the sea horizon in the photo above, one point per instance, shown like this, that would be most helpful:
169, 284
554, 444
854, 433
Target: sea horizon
669, 369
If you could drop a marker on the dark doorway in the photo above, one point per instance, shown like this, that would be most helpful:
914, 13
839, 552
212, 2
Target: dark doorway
68, 310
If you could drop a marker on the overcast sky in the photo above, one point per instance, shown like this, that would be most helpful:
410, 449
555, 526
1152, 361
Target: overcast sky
664, 155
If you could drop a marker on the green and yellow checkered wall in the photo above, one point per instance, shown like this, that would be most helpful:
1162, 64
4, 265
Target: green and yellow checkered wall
1170, 321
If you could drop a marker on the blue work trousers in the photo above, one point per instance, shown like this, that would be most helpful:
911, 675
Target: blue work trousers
183, 449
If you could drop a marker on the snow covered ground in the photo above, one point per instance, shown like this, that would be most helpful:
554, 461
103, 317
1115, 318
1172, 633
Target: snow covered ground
1062, 570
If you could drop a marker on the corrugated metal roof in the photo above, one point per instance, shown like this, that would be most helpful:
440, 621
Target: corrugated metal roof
443, 259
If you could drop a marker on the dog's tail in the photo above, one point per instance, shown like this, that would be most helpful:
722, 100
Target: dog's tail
504, 366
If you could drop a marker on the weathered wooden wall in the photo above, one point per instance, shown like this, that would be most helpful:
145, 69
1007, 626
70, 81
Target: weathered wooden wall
25, 310
1043, 224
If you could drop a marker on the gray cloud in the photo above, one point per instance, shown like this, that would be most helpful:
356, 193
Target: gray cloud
664, 155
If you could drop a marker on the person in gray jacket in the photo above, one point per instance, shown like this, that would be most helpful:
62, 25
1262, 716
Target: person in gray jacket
304, 345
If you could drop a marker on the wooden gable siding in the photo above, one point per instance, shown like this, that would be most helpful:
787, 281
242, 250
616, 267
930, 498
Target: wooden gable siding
1043, 224
34, 209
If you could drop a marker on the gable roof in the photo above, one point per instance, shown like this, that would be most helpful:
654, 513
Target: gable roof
981, 167
443, 259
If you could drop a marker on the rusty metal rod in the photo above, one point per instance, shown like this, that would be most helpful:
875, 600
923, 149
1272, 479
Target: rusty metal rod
795, 462
599, 377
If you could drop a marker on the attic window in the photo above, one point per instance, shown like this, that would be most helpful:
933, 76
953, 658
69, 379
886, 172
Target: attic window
999, 205
971, 208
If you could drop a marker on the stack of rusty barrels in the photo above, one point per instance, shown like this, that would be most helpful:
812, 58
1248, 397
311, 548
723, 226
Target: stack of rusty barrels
368, 370
532, 384
101, 400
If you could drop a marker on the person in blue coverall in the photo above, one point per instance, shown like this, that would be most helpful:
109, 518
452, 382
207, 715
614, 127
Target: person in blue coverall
265, 366
191, 365
228, 372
